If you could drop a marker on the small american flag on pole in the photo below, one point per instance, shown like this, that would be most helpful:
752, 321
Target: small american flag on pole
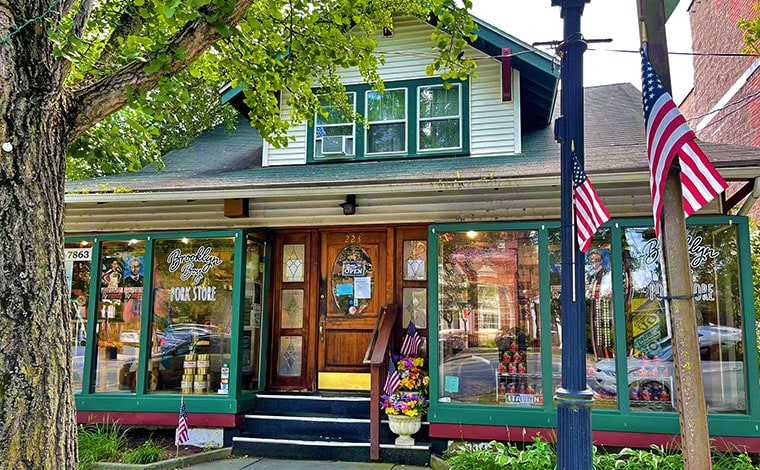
668, 135
412, 341
393, 380
183, 434
590, 213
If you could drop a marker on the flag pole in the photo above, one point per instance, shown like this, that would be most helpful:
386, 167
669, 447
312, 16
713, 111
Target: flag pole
176, 442
676, 273
573, 228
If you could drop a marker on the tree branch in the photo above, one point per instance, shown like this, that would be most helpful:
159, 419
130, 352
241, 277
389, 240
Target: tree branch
92, 103
82, 16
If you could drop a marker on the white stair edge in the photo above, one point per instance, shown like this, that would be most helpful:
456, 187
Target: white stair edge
300, 443
414, 447
318, 419
312, 397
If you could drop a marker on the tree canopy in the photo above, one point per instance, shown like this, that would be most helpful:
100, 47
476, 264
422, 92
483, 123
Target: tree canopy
277, 46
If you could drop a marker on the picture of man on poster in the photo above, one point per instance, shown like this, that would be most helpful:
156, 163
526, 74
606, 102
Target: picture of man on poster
135, 279
113, 276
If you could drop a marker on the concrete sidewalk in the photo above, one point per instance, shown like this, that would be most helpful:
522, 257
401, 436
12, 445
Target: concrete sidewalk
253, 463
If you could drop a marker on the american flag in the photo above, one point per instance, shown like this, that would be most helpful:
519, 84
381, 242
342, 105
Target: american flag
669, 135
590, 213
183, 434
393, 380
412, 341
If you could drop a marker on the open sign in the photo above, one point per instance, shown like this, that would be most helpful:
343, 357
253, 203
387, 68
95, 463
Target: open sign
353, 268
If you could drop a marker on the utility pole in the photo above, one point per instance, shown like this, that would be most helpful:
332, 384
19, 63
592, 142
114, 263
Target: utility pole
689, 392
573, 399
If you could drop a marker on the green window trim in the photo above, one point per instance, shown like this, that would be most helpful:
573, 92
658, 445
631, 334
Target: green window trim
412, 148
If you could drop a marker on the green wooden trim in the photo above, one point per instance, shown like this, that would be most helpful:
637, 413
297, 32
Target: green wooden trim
91, 342
155, 402
618, 305
433, 365
146, 320
411, 86
237, 313
545, 316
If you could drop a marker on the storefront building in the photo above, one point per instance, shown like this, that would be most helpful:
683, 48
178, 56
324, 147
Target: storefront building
242, 269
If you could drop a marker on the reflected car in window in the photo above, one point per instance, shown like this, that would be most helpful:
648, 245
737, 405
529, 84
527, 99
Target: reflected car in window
653, 380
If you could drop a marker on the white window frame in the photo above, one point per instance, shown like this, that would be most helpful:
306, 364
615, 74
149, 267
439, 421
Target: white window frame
317, 138
420, 120
405, 121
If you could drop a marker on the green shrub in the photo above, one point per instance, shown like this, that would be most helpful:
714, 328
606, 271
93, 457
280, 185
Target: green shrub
541, 455
100, 443
148, 452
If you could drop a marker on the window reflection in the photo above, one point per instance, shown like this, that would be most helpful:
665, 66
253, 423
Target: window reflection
78, 265
192, 315
489, 338
119, 307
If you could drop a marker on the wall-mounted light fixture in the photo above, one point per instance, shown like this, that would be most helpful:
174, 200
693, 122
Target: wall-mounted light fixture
349, 207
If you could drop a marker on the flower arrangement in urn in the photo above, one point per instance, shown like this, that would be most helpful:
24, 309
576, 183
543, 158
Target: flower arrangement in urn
405, 399
410, 398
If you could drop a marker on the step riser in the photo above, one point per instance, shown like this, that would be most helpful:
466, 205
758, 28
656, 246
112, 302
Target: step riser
307, 430
286, 451
302, 406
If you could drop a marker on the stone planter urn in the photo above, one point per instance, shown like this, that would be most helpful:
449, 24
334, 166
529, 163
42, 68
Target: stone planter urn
404, 426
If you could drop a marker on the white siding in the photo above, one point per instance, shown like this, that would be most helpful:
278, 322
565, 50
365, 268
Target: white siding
494, 124
295, 152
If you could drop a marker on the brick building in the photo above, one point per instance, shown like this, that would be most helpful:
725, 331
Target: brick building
724, 105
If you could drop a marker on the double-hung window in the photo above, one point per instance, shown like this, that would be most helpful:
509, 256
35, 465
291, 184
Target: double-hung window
440, 118
386, 116
334, 133
416, 118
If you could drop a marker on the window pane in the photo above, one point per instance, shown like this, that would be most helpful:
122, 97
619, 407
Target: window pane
715, 277
119, 306
78, 262
390, 106
192, 314
253, 310
415, 255
385, 138
290, 356
293, 263
333, 113
488, 292
415, 307
439, 134
600, 324
436, 102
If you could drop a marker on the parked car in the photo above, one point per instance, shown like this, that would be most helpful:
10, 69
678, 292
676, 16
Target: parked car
652, 379
167, 367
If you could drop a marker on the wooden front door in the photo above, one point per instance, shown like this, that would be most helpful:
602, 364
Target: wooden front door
353, 289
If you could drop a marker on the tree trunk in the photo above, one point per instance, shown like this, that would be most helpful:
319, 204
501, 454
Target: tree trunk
37, 414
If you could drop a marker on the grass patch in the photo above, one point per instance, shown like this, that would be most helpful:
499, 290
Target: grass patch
148, 452
100, 443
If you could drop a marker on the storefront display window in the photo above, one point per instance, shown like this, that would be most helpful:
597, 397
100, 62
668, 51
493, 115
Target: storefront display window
78, 265
600, 315
121, 271
191, 315
489, 318
715, 276
252, 312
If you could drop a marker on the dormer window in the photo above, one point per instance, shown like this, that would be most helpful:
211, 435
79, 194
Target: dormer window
334, 134
386, 115
419, 118
440, 118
